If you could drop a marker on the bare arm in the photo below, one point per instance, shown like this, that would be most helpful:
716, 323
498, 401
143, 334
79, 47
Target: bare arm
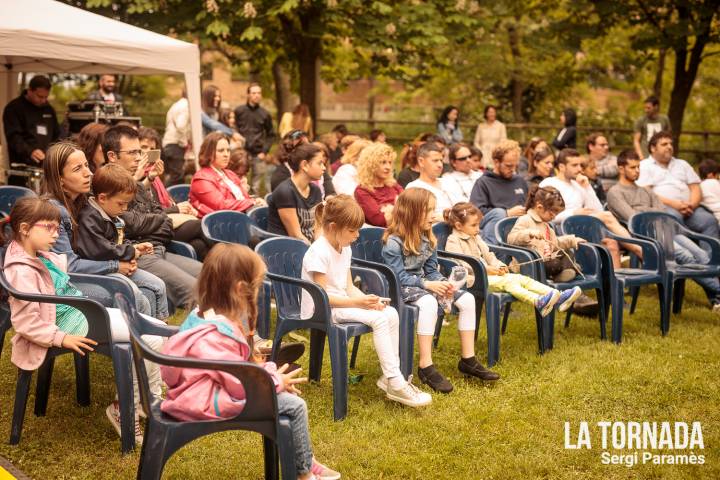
288, 217
695, 195
355, 298
636, 144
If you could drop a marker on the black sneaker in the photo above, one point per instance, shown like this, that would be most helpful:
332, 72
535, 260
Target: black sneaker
431, 377
473, 368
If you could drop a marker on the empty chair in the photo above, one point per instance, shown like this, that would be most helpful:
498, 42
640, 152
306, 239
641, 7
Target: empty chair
179, 193
9, 195
229, 226
259, 216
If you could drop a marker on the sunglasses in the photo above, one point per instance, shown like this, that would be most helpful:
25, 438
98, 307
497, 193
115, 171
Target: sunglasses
462, 159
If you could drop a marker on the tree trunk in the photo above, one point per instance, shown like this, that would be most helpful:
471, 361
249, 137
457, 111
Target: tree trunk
309, 68
517, 85
657, 87
371, 104
282, 88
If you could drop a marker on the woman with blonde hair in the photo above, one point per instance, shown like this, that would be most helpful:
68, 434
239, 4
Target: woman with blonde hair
298, 119
377, 189
345, 180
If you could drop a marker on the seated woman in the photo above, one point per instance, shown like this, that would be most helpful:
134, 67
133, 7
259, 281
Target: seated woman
90, 142
377, 190
540, 167
214, 187
345, 180
288, 143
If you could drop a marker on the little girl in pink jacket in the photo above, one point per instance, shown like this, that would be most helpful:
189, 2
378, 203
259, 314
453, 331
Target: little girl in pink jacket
222, 328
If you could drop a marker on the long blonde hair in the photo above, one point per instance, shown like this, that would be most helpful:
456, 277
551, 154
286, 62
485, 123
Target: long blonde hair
408, 220
352, 153
370, 159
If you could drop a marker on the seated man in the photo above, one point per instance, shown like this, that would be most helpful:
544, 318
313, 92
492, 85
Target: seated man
626, 198
145, 221
430, 162
677, 185
580, 199
598, 150
710, 186
460, 182
500, 193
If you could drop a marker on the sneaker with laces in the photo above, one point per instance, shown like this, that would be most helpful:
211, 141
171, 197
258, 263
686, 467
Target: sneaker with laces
431, 377
545, 303
113, 414
716, 308
568, 297
322, 472
409, 395
382, 383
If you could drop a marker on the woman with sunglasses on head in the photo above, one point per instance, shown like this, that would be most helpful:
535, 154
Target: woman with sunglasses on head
289, 143
459, 183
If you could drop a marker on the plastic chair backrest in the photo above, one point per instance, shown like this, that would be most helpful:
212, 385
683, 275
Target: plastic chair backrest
369, 244
179, 193
661, 227
503, 228
442, 231
9, 194
584, 226
227, 226
284, 256
259, 215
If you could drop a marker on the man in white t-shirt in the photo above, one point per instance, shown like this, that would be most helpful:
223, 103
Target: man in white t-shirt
580, 199
430, 162
677, 185
459, 183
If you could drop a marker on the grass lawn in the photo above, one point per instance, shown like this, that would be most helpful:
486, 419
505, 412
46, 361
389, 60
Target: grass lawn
514, 429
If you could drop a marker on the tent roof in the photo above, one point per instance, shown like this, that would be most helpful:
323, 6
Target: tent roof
61, 38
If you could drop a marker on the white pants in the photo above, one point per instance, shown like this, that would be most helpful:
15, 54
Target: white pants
428, 316
120, 333
385, 324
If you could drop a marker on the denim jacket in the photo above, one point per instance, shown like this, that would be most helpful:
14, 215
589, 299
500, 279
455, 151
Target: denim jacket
411, 269
63, 245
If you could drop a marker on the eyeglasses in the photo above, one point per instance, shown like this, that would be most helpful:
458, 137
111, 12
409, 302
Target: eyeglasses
136, 153
50, 227
462, 159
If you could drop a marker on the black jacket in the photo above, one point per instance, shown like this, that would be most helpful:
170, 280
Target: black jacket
255, 124
493, 191
98, 235
145, 220
28, 127
567, 137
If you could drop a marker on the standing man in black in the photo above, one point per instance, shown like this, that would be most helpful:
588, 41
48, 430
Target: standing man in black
255, 124
30, 126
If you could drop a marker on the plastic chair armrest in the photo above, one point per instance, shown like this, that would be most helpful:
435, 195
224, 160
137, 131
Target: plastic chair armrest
317, 293
477, 267
390, 278
373, 280
651, 252
182, 248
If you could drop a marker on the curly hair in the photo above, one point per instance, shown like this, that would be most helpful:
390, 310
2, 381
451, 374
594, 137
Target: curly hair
503, 148
352, 153
370, 159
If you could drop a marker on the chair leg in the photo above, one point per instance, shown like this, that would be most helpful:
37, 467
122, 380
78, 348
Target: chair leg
407, 341
549, 330
616, 300
568, 315
664, 308
82, 378
506, 316
602, 311
678, 295
492, 320
438, 328
356, 347
42, 390
271, 459
317, 348
634, 291
286, 450
540, 332
122, 366
479, 304
153, 454
339, 366
22, 391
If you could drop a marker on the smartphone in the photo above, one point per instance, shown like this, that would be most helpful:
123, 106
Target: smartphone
153, 156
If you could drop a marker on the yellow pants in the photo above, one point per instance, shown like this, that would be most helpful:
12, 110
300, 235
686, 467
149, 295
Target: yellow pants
519, 286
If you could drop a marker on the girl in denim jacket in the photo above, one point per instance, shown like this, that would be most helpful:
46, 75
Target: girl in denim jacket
410, 252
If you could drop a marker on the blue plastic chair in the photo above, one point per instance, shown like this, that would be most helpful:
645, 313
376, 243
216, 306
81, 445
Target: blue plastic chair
283, 257
179, 193
99, 330
259, 216
587, 257
182, 248
661, 228
9, 194
367, 252
652, 272
494, 302
229, 226
164, 435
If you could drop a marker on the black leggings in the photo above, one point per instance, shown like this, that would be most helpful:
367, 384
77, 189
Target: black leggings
191, 232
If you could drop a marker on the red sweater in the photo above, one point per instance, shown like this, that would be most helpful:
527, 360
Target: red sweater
209, 193
372, 201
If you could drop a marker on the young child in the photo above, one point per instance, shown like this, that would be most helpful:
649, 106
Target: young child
101, 232
591, 172
465, 220
32, 268
410, 252
710, 186
533, 230
222, 328
327, 262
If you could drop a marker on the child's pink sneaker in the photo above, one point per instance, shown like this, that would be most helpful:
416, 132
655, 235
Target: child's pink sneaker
322, 472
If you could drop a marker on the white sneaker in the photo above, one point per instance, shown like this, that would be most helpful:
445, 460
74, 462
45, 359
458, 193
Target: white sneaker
715, 309
113, 414
409, 395
382, 383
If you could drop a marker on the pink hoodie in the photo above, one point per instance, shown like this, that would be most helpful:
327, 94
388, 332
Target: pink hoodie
207, 394
34, 322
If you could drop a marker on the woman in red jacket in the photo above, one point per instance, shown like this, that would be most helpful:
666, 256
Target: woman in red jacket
215, 187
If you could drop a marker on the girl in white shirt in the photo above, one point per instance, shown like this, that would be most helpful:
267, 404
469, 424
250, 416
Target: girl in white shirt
327, 263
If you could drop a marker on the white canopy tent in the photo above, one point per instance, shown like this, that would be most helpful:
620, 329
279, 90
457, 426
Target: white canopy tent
49, 36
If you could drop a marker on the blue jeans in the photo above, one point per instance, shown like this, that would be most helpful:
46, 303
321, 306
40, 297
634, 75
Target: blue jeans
701, 221
489, 221
153, 289
295, 409
687, 251
105, 297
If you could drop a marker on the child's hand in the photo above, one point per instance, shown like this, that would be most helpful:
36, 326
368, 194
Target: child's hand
145, 248
289, 381
370, 302
497, 270
442, 288
78, 343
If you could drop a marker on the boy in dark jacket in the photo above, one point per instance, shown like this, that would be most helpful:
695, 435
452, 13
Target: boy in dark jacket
101, 232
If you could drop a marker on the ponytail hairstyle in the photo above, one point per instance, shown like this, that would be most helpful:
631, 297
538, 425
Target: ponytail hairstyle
55, 160
29, 210
232, 265
342, 210
549, 197
408, 217
461, 213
